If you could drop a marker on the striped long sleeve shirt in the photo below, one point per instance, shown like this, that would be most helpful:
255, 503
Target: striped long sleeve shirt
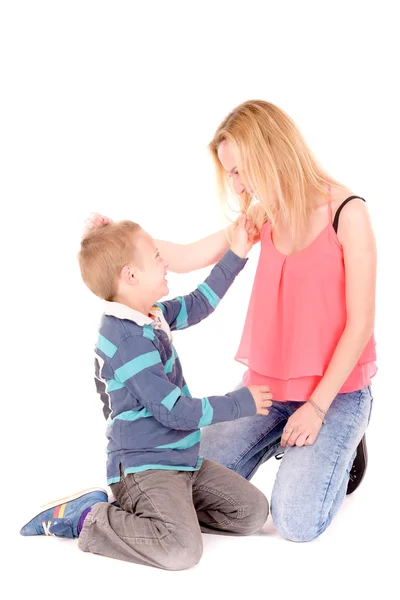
152, 420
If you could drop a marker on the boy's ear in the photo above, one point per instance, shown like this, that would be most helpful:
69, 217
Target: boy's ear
128, 275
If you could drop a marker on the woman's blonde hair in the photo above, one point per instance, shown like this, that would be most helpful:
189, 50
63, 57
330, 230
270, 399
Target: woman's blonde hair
104, 252
275, 161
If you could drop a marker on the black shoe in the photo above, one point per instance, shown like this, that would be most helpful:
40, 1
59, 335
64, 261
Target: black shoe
359, 467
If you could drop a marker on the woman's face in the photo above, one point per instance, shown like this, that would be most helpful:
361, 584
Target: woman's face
228, 161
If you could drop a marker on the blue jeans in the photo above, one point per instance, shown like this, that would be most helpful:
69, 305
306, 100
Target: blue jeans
312, 480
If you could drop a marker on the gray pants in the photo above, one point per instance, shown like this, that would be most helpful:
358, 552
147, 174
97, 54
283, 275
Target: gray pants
163, 513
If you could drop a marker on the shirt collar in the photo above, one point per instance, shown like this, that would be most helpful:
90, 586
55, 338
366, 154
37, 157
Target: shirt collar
121, 311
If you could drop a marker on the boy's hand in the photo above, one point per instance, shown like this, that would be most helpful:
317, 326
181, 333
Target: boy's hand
252, 231
94, 220
242, 236
262, 398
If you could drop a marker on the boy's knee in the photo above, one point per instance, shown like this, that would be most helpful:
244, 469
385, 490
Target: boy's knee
257, 514
179, 557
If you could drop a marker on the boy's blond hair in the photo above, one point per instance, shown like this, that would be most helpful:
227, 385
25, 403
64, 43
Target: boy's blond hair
104, 251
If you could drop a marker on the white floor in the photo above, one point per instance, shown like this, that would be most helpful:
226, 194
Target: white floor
354, 558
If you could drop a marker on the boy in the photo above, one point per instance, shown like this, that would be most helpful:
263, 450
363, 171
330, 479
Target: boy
162, 487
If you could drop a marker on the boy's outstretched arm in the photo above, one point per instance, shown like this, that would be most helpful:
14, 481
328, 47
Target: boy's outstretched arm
184, 311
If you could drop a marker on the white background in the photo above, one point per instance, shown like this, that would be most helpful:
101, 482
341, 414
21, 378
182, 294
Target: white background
109, 106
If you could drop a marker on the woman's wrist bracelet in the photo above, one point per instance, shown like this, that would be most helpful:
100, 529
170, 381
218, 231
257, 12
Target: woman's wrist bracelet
318, 410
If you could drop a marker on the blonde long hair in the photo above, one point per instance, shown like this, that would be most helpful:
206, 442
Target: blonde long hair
274, 158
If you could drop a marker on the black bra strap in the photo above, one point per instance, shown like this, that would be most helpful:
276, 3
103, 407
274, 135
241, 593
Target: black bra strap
336, 219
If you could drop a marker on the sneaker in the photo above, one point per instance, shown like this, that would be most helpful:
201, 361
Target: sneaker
359, 467
61, 518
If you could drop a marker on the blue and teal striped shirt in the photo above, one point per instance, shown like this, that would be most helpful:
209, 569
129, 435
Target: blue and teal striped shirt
152, 420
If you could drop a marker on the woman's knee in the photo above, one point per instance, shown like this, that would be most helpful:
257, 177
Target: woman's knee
294, 529
294, 520
234, 443
213, 446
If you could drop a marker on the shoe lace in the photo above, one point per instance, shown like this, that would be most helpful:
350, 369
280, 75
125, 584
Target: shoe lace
46, 528
353, 473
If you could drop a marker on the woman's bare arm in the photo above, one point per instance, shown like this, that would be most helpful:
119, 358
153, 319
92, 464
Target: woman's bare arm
183, 258
359, 251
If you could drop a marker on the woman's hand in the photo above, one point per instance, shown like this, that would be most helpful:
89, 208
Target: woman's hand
302, 427
94, 220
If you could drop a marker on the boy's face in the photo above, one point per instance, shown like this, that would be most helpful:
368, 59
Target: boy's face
152, 268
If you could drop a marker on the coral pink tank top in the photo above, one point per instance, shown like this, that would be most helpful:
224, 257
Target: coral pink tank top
296, 316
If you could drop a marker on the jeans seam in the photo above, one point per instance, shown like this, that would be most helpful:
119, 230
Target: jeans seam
138, 540
145, 495
344, 439
157, 511
123, 484
238, 507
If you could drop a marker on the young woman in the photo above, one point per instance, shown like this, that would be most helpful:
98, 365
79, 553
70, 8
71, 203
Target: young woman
308, 334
